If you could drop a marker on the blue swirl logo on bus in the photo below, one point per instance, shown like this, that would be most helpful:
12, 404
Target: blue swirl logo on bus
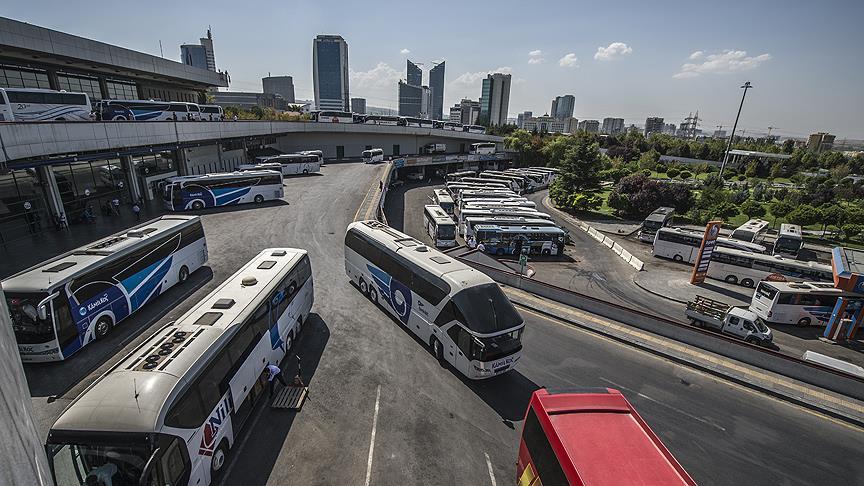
394, 292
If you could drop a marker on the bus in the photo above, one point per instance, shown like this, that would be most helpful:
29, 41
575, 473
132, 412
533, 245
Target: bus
65, 303
486, 210
373, 156
173, 408
482, 148
333, 117
467, 196
682, 245
442, 198
294, 164
750, 231
439, 226
453, 126
143, 110
747, 268
194, 111
32, 104
474, 129
484, 181
183, 193
408, 121
514, 202
510, 240
212, 113
454, 187
798, 303
456, 176
382, 120
449, 306
659, 218
318, 153
502, 220
516, 183
789, 242
591, 436
536, 180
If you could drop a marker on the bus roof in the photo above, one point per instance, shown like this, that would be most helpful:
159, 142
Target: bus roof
110, 404
754, 225
519, 229
808, 287
600, 439
439, 215
54, 272
660, 214
786, 261
220, 175
790, 230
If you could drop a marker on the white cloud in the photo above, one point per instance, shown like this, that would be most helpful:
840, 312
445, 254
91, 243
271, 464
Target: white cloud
536, 57
381, 76
569, 60
470, 79
725, 62
615, 50
404, 51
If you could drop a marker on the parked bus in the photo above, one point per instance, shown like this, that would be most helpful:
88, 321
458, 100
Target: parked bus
442, 198
515, 202
799, 303
31, 104
172, 409
474, 128
454, 187
212, 113
183, 193
591, 436
789, 242
659, 218
294, 164
747, 268
333, 116
318, 153
456, 176
439, 226
485, 181
453, 126
408, 121
65, 303
373, 156
447, 304
482, 148
516, 183
750, 231
486, 210
382, 120
682, 245
510, 240
501, 220
194, 111
143, 110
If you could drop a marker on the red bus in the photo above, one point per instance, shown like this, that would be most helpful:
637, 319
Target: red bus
591, 437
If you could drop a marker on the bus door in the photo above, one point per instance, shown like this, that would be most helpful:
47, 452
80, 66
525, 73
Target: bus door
5, 108
459, 347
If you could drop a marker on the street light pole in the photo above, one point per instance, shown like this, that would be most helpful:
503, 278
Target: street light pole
746, 86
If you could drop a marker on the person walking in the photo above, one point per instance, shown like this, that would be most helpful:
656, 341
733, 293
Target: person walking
274, 373
472, 243
481, 247
115, 203
137, 210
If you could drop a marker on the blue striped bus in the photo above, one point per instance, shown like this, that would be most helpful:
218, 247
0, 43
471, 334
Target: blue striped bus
215, 190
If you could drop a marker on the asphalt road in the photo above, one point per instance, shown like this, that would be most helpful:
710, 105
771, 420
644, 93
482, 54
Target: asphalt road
382, 411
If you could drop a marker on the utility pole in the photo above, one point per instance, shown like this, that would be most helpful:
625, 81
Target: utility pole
745, 87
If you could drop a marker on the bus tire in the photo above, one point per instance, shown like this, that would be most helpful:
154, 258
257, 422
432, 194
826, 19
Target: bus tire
499, 252
364, 288
289, 341
259, 199
197, 205
750, 340
103, 327
437, 349
373, 295
732, 279
305, 171
183, 274
220, 456
677, 258
803, 322
547, 252
747, 282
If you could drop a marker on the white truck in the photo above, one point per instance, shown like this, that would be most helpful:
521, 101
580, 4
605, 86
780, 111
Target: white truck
733, 321
434, 148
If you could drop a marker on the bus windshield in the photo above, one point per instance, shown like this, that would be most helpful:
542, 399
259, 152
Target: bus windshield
76, 464
485, 309
446, 231
790, 244
29, 329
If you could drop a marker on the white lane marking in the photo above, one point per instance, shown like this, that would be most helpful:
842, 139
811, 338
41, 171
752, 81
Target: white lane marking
372, 440
491, 473
658, 402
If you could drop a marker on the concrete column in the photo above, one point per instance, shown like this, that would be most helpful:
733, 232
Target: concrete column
180, 160
53, 82
103, 88
834, 326
132, 173
856, 323
219, 156
46, 175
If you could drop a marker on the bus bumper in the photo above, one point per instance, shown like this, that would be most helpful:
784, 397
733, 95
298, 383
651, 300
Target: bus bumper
481, 371
39, 353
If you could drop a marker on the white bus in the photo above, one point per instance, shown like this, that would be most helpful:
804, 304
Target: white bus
682, 245
478, 198
500, 220
333, 116
482, 148
459, 312
294, 164
789, 242
183, 193
474, 129
212, 113
453, 188
453, 126
194, 111
750, 231
172, 409
457, 176
443, 199
31, 104
319, 153
408, 121
747, 268
484, 181
373, 156
143, 110
487, 210
439, 226
63, 304
516, 183
659, 218
799, 303
511, 240
382, 120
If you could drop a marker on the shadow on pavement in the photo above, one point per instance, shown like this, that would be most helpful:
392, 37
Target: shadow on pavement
236, 208
734, 294
271, 426
394, 208
64, 378
507, 394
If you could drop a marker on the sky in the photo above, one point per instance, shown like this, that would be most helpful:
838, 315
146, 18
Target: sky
625, 59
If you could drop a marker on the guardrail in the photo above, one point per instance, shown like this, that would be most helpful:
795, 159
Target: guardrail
811, 373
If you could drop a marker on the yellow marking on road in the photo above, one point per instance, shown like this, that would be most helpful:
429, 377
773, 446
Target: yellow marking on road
371, 192
681, 348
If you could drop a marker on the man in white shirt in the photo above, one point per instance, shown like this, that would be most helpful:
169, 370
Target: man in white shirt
481, 247
274, 373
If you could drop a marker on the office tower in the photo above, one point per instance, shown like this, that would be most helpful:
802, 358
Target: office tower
654, 124
330, 72
199, 55
456, 113
562, 106
613, 126
521, 117
410, 99
279, 85
590, 126
358, 105
820, 142
495, 99
414, 74
436, 84
469, 111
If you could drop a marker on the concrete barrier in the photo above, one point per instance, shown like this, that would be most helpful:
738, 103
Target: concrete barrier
617, 249
608, 242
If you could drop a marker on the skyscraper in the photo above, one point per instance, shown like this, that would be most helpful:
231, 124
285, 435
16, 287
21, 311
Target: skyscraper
330, 72
820, 142
279, 85
358, 105
521, 117
562, 106
495, 98
654, 124
415, 74
612, 126
410, 99
436, 84
199, 55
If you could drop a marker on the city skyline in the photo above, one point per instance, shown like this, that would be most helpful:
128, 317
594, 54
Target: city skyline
633, 68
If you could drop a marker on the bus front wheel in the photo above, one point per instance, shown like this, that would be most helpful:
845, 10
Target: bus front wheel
197, 205
677, 258
103, 327
259, 199
732, 279
803, 322
183, 275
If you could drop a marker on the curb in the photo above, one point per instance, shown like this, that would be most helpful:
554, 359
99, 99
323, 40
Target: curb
658, 294
601, 238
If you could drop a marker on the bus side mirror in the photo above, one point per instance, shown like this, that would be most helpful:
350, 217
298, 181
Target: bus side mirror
148, 469
43, 312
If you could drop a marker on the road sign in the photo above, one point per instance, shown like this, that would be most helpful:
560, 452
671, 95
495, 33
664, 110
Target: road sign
703, 258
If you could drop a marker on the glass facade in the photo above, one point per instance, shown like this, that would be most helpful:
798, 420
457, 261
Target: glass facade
485, 98
23, 206
87, 188
329, 71
194, 55
16, 77
436, 84
80, 84
410, 99
121, 90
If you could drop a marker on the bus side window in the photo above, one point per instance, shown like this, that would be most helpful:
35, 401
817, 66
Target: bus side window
786, 298
544, 458
173, 465
67, 331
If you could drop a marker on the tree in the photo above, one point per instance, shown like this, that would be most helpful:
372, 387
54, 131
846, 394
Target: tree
580, 167
832, 215
780, 209
804, 215
752, 169
725, 210
583, 202
852, 230
649, 159
672, 172
752, 209
685, 174
637, 195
